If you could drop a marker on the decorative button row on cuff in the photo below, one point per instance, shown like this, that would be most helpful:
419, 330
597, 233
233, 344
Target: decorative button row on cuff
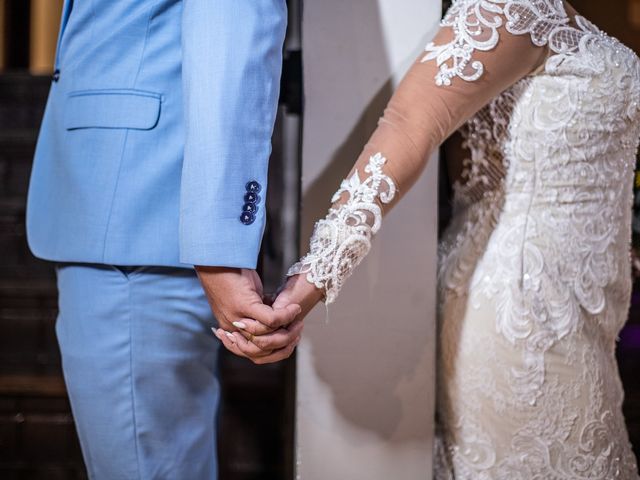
251, 200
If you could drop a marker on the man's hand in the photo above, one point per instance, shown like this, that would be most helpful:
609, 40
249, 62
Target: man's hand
263, 346
236, 297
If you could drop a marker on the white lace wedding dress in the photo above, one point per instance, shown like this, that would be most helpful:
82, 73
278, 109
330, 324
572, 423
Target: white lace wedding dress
534, 269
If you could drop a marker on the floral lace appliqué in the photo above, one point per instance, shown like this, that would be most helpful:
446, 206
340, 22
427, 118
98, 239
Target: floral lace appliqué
343, 238
475, 25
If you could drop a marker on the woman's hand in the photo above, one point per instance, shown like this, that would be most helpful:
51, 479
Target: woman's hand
263, 345
301, 292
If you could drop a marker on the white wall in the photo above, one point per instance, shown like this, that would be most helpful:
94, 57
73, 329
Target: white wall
365, 392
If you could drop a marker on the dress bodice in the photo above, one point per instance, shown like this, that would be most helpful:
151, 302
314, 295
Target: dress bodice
583, 105
556, 151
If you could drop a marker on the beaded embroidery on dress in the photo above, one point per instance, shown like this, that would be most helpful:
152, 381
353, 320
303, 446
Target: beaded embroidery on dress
534, 269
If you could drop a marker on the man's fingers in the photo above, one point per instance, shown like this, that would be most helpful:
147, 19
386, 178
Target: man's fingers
249, 327
273, 318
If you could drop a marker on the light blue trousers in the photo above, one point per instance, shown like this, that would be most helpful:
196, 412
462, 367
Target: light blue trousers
140, 365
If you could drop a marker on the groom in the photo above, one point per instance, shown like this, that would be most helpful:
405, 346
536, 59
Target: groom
151, 159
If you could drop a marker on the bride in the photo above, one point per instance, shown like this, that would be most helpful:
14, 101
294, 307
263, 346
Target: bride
534, 269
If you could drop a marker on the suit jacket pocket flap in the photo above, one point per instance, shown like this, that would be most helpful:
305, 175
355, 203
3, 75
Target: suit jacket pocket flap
113, 108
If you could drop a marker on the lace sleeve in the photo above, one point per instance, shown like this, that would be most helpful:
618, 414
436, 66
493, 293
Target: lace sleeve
342, 239
419, 117
476, 24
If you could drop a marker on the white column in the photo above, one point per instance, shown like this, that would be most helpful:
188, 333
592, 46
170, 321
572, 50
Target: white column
365, 380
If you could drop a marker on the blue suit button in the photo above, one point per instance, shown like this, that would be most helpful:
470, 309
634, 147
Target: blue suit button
247, 218
251, 197
253, 187
56, 75
250, 207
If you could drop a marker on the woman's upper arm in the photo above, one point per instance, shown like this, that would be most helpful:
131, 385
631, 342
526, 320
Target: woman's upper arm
471, 60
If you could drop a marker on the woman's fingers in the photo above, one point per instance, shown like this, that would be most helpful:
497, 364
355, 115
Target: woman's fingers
248, 349
249, 327
228, 341
273, 347
273, 340
252, 328
278, 355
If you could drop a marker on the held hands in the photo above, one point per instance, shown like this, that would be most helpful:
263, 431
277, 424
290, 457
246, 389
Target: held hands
249, 327
267, 334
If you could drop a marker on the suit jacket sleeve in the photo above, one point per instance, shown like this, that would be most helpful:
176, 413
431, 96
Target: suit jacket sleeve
231, 67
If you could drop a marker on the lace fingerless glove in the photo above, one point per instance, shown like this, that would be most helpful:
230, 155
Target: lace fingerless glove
343, 238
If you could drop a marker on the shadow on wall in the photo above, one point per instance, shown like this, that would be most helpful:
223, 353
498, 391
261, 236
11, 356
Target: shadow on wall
317, 196
379, 354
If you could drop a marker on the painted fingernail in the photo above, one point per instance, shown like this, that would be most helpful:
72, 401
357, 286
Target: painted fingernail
240, 325
231, 336
215, 332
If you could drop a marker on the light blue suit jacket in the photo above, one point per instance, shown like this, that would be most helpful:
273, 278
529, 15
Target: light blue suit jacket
158, 122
